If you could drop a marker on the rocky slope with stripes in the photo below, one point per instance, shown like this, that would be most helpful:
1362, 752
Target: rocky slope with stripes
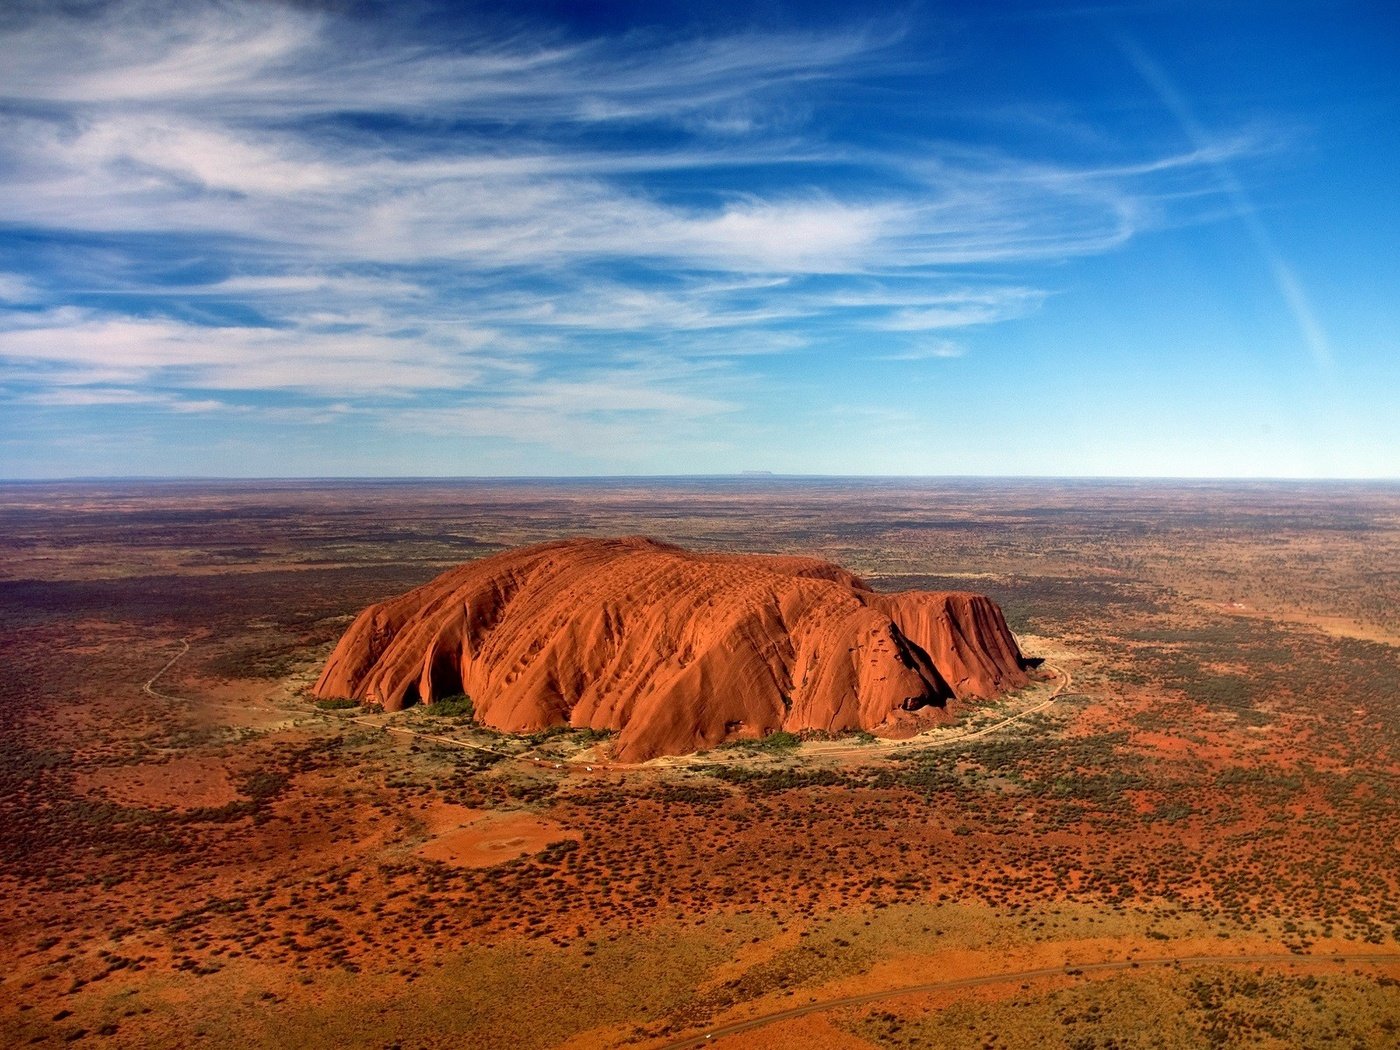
672, 650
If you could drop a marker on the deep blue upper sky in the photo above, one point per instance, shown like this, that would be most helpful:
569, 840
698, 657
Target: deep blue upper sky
330, 238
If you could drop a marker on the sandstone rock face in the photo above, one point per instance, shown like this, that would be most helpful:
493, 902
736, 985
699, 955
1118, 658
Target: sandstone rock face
674, 651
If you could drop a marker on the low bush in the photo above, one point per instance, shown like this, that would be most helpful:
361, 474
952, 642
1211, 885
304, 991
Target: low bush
459, 706
778, 741
337, 703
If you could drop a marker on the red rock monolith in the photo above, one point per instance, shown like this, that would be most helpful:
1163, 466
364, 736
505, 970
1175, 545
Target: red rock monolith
675, 651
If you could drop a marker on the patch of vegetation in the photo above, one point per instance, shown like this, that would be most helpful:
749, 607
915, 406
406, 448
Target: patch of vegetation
592, 736
556, 851
1103, 789
692, 794
779, 742
569, 736
263, 786
535, 791
1213, 1007
769, 780
923, 773
1170, 812
337, 703
458, 706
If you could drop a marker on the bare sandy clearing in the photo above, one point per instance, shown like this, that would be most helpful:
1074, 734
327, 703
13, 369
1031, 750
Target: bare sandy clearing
476, 838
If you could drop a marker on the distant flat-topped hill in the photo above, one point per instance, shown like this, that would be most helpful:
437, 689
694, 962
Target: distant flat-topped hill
675, 651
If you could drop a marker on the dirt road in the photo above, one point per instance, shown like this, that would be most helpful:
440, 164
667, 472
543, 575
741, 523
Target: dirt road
715, 1034
150, 686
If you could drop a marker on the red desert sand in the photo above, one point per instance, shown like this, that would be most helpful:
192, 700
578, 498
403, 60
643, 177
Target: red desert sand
674, 651
477, 838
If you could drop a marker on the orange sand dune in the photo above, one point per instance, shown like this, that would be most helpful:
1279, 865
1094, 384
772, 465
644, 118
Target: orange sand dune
673, 650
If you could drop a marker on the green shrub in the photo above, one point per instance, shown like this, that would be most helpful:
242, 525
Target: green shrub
264, 785
592, 736
777, 741
459, 706
337, 703
781, 740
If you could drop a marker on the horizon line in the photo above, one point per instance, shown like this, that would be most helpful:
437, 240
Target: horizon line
753, 475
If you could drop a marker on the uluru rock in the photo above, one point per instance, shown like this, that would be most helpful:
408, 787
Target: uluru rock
675, 651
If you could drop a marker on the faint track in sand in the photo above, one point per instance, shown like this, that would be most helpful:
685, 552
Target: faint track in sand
954, 737
1066, 680
150, 686
405, 731
1064, 970
602, 765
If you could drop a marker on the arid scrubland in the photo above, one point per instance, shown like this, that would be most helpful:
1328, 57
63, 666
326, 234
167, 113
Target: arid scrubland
193, 852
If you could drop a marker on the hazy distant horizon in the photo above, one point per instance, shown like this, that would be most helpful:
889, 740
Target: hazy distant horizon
408, 479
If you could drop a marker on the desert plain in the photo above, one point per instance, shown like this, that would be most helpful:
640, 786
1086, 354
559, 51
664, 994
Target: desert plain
1183, 832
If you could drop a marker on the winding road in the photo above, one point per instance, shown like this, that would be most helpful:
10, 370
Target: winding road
150, 686
1068, 969
1065, 681
405, 731
944, 738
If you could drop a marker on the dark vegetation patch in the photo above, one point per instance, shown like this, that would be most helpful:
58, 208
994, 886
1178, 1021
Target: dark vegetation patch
458, 706
299, 598
777, 742
337, 703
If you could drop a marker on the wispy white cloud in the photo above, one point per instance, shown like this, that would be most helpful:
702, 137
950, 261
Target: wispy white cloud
321, 285
615, 416
274, 60
17, 288
83, 359
517, 234
69, 346
939, 349
964, 308
94, 396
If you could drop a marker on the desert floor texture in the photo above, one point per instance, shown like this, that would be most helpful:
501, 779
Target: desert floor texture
1185, 832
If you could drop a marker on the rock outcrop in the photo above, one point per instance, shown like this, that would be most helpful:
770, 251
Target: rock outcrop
674, 651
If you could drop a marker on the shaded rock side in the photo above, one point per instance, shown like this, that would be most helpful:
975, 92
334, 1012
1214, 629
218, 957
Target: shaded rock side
674, 651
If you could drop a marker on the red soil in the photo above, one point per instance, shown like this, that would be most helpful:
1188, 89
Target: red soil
675, 651
478, 838
177, 783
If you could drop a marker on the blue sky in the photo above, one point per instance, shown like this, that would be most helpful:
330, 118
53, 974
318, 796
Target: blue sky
263, 239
